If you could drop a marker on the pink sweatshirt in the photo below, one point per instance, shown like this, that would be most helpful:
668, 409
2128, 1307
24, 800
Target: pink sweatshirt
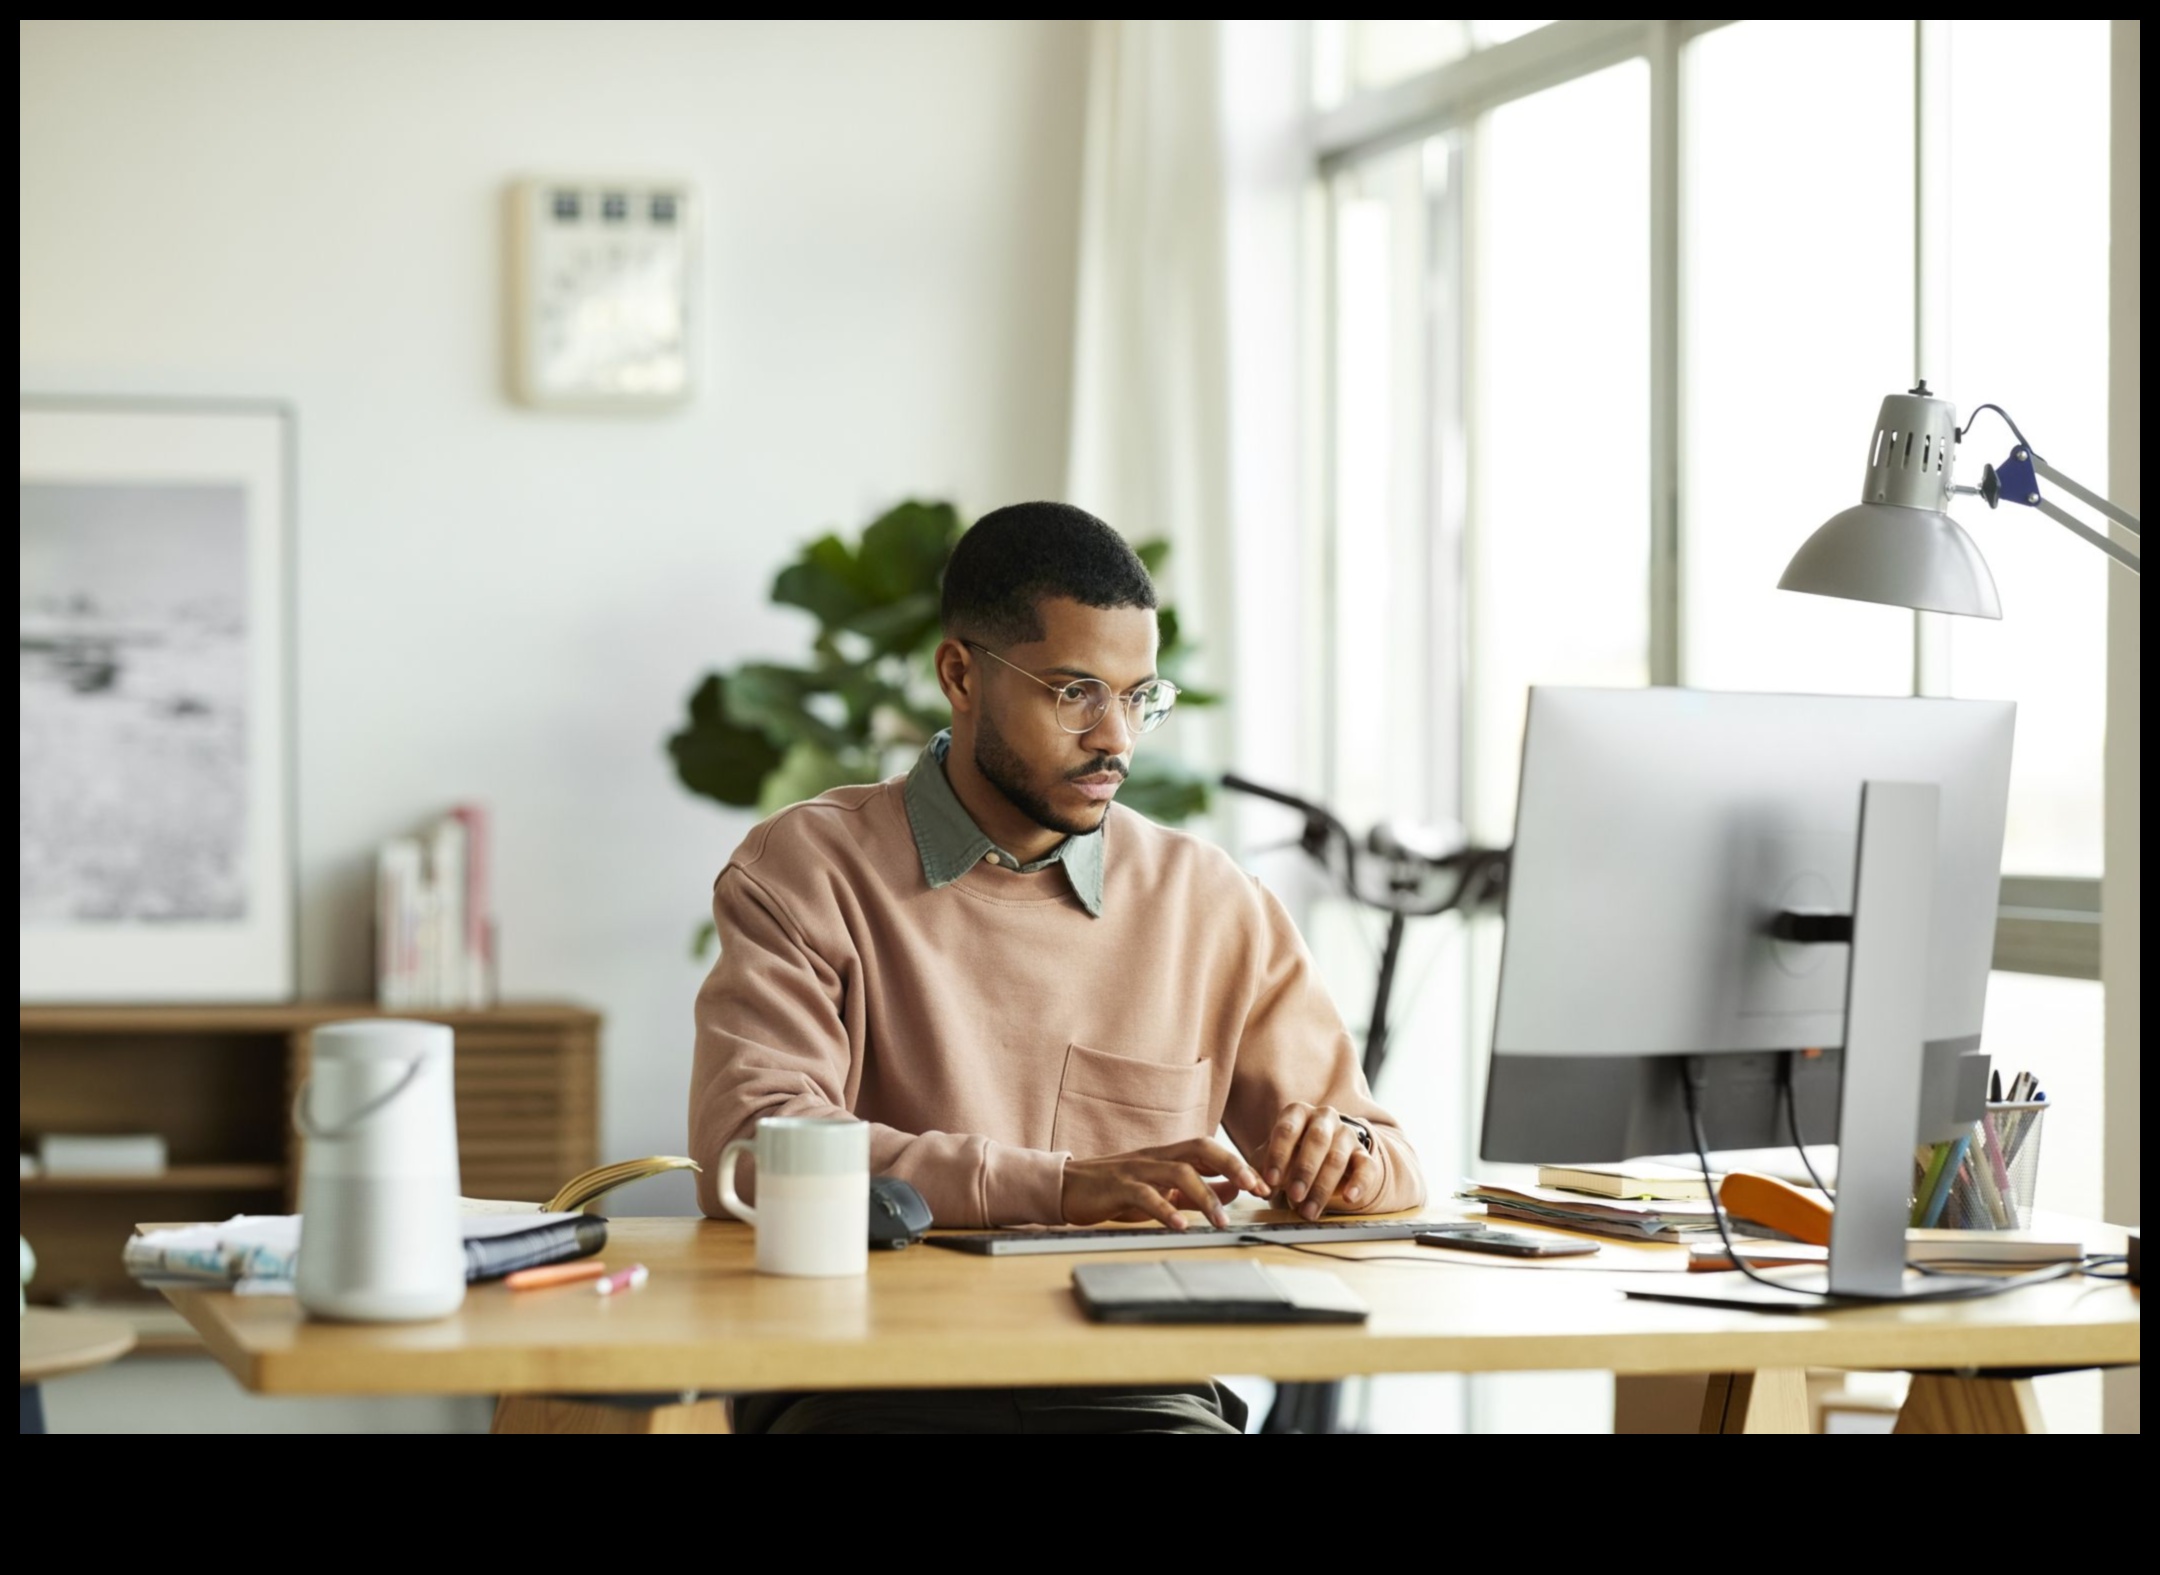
991, 1029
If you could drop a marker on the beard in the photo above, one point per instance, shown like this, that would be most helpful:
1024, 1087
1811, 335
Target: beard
1004, 770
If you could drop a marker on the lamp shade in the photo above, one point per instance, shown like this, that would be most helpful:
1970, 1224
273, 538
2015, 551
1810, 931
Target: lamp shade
1878, 552
1897, 545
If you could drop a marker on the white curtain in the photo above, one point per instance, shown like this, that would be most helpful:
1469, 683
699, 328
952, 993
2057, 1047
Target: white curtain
1186, 387
1149, 450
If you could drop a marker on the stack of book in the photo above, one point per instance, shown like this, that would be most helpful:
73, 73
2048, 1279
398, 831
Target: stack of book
434, 923
1631, 1218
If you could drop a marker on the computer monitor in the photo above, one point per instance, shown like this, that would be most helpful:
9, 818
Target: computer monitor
1670, 845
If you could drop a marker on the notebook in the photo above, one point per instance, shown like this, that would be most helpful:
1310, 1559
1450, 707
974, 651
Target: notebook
1628, 1179
1241, 1292
1938, 1249
585, 1187
257, 1254
1622, 1217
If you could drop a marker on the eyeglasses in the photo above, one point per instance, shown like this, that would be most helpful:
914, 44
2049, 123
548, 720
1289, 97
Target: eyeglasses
1082, 703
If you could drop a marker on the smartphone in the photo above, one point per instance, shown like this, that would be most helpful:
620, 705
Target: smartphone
1513, 1244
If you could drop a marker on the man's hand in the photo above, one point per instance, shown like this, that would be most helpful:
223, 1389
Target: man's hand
1314, 1159
1155, 1183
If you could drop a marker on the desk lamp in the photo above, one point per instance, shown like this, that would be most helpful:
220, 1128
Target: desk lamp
1899, 544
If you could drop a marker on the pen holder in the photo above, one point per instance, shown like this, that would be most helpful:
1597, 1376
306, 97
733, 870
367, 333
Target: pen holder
1984, 1182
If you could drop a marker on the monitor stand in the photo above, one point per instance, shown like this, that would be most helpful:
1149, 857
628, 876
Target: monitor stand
1879, 1095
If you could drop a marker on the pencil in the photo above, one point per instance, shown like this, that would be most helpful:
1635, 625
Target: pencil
1924, 1195
555, 1274
1953, 1153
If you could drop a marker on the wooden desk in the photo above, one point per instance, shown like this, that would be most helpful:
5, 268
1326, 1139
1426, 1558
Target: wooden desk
707, 1322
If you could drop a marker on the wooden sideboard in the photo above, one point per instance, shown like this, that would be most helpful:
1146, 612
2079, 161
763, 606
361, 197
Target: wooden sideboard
218, 1082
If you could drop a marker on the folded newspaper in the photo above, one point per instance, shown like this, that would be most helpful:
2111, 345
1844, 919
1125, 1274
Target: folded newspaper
257, 1254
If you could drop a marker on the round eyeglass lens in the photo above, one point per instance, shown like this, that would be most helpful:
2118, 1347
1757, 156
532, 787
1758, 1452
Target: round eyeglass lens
1151, 706
1081, 704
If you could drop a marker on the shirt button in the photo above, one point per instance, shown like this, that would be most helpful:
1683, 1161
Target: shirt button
992, 858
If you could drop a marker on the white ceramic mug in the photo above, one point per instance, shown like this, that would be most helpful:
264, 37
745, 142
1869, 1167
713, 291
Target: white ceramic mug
813, 1195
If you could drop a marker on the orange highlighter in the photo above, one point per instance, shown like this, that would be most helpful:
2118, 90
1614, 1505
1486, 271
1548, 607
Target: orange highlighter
555, 1274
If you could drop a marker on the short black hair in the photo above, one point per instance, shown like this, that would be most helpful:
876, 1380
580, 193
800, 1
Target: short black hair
1015, 556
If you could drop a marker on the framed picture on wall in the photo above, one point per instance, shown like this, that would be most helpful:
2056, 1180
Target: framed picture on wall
156, 802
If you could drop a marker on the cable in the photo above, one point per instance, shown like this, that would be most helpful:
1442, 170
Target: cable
1433, 1262
2012, 425
1690, 1077
1792, 1118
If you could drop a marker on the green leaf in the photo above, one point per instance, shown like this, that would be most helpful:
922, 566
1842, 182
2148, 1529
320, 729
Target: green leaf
1165, 791
898, 626
705, 704
718, 758
904, 551
825, 581
1152, 554
702, 938
773, 700
805, 772
1167, 634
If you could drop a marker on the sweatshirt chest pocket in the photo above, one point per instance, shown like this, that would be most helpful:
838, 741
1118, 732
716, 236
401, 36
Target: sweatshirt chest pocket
1112, 1104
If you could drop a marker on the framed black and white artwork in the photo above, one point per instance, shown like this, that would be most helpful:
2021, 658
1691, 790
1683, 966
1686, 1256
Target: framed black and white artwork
157, 822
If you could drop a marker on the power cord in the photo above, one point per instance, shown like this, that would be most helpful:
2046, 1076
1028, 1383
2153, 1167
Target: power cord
1691, 1073
1430, 1262
1792, 1118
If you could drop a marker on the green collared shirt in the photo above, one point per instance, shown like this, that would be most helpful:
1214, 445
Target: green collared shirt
950, 843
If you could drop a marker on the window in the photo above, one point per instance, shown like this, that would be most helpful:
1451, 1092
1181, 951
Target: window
1796, 305
2028, 288
1350, 58
1507, 204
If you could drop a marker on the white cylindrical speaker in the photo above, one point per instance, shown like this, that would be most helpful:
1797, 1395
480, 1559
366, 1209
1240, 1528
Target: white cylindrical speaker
379, 1238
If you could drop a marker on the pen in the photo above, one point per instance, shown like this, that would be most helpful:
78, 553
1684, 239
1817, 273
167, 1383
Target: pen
624, 1280
1995, 1085
555, 1274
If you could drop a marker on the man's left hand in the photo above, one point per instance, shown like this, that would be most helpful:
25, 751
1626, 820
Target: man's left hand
1314, 1161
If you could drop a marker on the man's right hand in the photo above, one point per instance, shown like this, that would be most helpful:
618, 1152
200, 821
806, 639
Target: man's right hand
1156, 1183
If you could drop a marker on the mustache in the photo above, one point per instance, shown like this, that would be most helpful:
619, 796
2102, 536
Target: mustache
1100, 764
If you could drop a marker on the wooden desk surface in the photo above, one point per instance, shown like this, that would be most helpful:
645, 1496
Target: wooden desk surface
707, 1321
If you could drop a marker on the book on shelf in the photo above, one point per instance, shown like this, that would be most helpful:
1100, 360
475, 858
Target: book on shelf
434, 918
1634, 1178
102, 1154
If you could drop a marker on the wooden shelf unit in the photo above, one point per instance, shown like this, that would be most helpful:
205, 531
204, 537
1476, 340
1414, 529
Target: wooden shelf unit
219, 1081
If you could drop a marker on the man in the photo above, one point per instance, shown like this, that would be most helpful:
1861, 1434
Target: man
1043, 1005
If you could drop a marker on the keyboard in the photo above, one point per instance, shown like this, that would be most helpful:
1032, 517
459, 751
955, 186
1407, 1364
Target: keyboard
1154, 1238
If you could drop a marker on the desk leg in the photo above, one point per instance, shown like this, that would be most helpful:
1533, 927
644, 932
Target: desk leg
609, 1414
1938, 1403
1773, 1400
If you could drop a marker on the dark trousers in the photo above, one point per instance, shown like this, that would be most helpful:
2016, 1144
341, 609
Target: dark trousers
1168, 1408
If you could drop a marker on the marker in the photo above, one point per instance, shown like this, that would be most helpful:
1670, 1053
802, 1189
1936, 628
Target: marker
555, 1274
626, 1280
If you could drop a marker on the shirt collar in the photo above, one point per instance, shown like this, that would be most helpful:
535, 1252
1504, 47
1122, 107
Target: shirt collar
950, 843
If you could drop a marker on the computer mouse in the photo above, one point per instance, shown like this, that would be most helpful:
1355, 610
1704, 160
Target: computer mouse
898, 1214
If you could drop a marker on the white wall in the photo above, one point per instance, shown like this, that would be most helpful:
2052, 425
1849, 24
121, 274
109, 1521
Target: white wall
510, 606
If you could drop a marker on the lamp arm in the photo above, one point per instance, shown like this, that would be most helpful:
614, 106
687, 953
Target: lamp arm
2016, 480
2089, 498
2121, 554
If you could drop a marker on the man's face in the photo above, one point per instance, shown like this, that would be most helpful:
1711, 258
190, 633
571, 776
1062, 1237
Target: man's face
1063, 781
